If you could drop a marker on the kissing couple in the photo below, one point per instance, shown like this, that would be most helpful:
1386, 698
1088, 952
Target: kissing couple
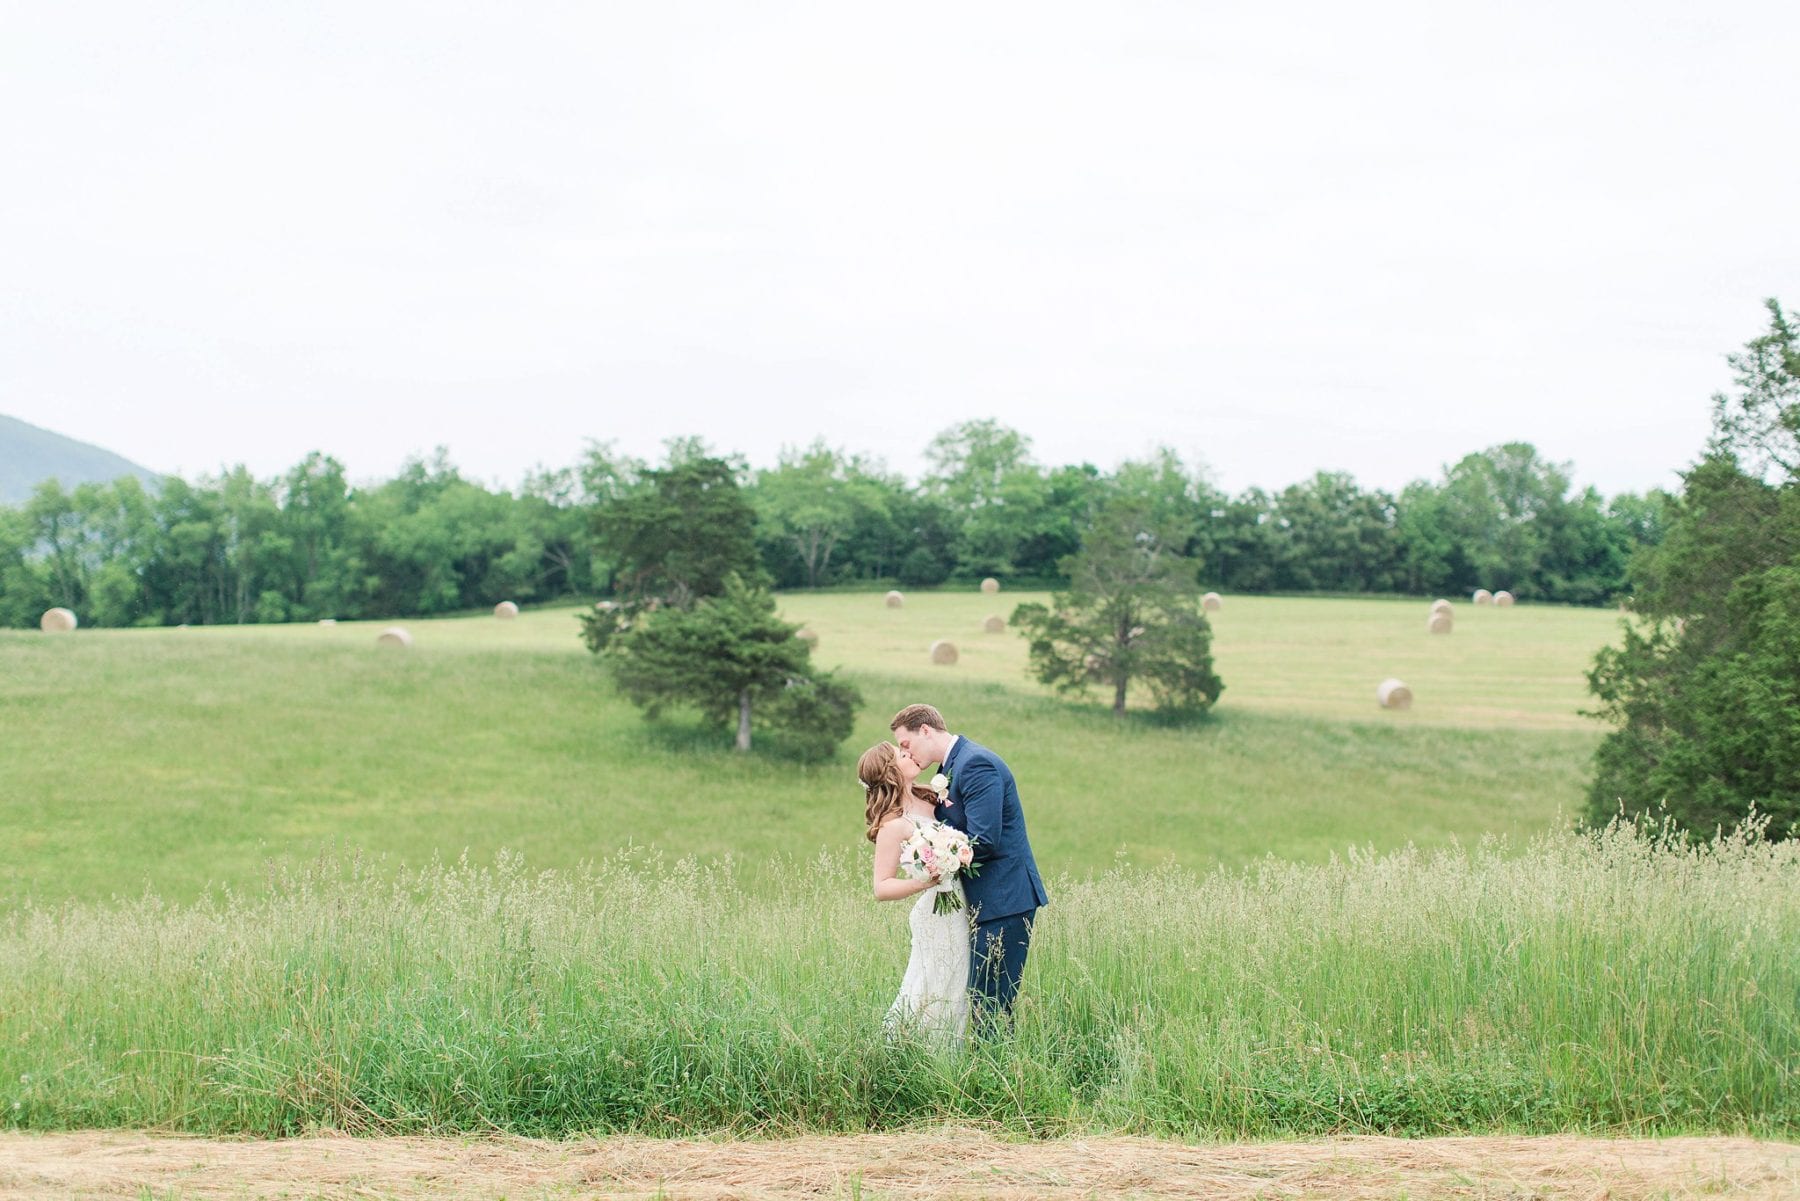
958, 844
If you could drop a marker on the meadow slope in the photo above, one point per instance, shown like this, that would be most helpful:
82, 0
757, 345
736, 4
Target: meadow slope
178, 760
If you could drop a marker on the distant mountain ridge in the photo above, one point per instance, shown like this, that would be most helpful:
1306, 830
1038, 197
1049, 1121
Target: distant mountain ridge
29, 456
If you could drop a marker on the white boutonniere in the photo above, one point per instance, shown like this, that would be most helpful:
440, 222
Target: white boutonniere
940, 784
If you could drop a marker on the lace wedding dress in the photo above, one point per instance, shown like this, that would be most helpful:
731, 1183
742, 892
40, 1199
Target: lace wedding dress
934, 993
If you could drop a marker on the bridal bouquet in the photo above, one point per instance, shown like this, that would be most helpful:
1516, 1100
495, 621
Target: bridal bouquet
942, 851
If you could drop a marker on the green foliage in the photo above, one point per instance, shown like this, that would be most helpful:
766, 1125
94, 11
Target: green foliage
1005, 513
234, 549
729, 657
681, 531
1132, 609
1759, 424
813, 502
1705, 700
1709, 735
429, 541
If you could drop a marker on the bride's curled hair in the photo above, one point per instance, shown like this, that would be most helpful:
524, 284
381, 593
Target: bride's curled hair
879, 771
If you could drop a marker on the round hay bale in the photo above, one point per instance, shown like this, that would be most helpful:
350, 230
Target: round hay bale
1440, 605
943, 652
1212, 602
895, 600
990, 585
328, 621
57, 621
506, 610
398, 636
995, 625
1503, 599
1483, 597
807, 635
1394, 694
605, 606
1440, 622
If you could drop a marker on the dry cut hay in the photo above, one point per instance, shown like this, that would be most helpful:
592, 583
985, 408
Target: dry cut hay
398, 636
1503, 599
1440, 605
915, 1166
995, 625
943, 652
807, 635
57, 621
990, 585
1440, 623
895, 600
506, 610
1483, 597
1212, 602
1393, 694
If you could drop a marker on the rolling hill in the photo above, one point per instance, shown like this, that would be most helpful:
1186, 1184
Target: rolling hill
29, 455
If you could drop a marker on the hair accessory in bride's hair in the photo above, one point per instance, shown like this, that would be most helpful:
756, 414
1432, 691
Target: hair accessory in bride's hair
863, 782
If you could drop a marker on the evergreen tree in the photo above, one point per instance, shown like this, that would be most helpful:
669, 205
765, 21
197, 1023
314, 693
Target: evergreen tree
730, 658
1131, 612
1704, 690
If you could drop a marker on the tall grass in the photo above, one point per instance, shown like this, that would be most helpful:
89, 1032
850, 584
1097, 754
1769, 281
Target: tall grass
1582, 982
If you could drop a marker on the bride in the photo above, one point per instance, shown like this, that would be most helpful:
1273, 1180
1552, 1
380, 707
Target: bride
934, 993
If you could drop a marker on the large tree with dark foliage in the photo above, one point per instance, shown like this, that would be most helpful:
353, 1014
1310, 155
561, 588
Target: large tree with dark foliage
733, 661
1704, 690
680, 532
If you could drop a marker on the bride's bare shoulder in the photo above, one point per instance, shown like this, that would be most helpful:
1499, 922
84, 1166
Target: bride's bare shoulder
897, 826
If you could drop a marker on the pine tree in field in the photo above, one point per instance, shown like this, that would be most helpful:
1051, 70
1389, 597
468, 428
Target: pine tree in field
1132, 611
730, 658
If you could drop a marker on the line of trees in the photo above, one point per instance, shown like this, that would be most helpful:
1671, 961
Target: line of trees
309, 544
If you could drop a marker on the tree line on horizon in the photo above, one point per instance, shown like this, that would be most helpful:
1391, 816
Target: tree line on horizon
309, 544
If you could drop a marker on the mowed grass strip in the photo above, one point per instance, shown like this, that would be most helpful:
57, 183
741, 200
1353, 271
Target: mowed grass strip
941, 1162
180, 760
1579, 984
1512, 669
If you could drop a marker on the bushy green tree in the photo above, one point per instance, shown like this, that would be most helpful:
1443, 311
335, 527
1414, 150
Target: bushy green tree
1131, 613
812, 502
730, 658
997, 499
681, 530
1704, 690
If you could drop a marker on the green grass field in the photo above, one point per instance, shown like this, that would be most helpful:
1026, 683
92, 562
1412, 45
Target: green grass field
177, 760
231, 902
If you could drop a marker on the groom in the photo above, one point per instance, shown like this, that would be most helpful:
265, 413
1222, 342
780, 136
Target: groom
983, 802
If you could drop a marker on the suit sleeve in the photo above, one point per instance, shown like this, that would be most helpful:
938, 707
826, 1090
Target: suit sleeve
982, 799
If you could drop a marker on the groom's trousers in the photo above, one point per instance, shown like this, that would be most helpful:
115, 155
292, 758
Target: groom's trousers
996, 961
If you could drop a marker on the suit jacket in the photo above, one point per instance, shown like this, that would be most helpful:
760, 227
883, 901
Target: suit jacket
984, 804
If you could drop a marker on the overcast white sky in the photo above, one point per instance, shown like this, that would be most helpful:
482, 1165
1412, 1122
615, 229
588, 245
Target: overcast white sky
1277, 237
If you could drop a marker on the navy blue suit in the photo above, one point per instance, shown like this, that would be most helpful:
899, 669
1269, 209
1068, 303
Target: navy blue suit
1005, 896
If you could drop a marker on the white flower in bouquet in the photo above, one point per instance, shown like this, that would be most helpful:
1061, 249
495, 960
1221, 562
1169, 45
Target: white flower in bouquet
936, 849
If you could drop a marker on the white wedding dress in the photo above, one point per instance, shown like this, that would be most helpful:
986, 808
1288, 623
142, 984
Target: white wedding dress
934, 993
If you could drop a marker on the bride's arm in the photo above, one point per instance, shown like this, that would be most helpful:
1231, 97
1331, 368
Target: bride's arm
888, 884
